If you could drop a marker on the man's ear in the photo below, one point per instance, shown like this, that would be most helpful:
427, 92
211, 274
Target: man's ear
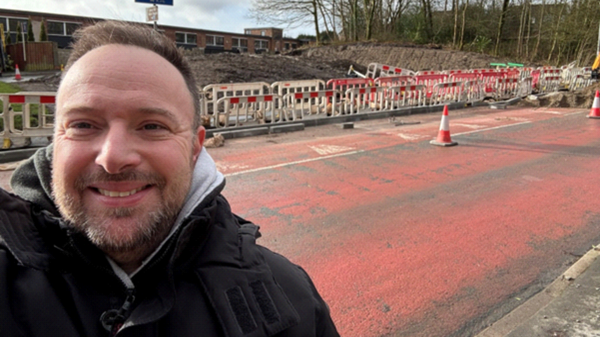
199, 141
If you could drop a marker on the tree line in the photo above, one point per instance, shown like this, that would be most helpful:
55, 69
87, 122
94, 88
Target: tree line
552, 32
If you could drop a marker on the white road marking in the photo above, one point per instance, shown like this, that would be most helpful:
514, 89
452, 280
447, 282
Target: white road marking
329, 149
293, 163
408, 136
469, 126
488, 129
229, 167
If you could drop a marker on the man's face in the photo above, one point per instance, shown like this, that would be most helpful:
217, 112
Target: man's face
124, 148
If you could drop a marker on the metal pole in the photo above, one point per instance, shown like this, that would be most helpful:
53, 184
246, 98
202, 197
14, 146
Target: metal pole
24, 52
155, 26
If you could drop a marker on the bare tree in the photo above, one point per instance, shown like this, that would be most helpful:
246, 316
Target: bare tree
292, 13
501, 25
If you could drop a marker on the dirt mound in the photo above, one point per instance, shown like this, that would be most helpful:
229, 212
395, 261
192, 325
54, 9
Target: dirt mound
580, 99
400, 55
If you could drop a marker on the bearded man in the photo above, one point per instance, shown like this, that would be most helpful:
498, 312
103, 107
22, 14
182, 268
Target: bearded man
119, 228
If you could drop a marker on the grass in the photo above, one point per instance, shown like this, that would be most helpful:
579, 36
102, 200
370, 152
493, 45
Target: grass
7, 88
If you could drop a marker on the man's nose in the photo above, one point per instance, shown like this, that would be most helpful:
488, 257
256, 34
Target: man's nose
118, 151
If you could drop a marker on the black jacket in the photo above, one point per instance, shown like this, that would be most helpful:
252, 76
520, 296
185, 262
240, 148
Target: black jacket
209, 279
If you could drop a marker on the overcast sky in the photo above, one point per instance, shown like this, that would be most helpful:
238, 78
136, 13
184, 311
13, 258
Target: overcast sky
221, 15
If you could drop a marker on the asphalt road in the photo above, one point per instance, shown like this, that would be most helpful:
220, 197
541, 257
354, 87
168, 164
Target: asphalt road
403, 238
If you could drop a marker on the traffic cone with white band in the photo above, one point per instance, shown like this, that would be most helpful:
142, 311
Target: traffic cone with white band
17, 72
443, 138
595, 112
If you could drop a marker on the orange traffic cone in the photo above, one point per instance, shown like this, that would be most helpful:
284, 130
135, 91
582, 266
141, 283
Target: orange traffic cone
595, 112
17, 72
443, 138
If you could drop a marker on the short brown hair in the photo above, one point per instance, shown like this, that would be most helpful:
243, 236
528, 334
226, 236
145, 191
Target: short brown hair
138, 35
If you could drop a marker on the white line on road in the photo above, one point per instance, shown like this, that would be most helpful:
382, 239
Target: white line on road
353, 152
488, 129
293, 163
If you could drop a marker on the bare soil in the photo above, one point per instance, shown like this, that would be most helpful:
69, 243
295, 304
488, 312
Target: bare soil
329, 62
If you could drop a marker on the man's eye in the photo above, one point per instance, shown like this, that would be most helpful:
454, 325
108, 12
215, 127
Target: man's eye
153, 127
81, 125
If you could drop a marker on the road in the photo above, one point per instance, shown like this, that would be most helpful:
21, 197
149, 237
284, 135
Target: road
403, 238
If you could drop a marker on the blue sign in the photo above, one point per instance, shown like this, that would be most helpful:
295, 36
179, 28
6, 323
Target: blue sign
157, 2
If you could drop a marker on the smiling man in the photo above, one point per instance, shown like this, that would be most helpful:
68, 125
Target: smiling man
119, 228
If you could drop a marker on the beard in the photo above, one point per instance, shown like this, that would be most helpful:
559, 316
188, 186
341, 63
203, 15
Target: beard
140, 230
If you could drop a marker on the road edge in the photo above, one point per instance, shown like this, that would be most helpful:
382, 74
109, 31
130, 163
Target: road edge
525, 311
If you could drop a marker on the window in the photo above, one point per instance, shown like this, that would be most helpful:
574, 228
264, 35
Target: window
235, 42
188, 38
213, 40
287, 46
12, 23
62, 28
248, 32
261, 44
71, 27
262, 33
55, 28
3, 21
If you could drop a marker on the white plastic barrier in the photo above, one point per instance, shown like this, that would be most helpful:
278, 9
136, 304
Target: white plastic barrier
393, 81
526, 87
448, 92
321, 103
375, 70
549, 84
507, 88
429, 81
383, 98
35, 110
473, 91
580, 82
429, 72
213, 92
240, 110
283, 88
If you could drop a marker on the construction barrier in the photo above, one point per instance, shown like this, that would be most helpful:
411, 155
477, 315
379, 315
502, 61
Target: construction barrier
343, 84
382, 98
507, 88
213, 92
526, 87
445, 93
375, 70
549, 84
27, 114
393, 81
489, 80
459, 77
241, 110
473, 91
429, 81
283, 88
430, 72
321, 103
580, 82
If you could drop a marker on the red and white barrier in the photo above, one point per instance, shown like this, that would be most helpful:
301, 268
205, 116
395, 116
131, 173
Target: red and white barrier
343, 84
36, 111
375, 70
321, 103
429, 81
506, 88
283, 88
446, 93
213, 92
393, 81
473, 91
549, 84
237, 111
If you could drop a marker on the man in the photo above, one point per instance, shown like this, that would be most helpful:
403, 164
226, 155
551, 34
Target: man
120, 228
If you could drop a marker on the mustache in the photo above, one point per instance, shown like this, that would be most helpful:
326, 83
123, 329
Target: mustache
100, 175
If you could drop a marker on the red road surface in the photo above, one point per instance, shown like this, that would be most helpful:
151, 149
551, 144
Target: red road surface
404, 238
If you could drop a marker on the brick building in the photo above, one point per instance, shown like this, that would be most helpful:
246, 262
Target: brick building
61, 27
